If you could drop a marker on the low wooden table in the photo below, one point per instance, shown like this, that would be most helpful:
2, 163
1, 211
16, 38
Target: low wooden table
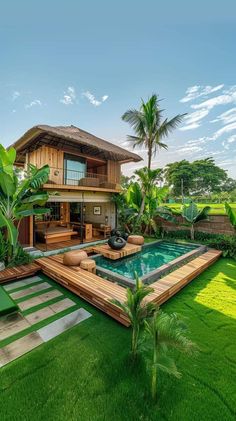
106, 251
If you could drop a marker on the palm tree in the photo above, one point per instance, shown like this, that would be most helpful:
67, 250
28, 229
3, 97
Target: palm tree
137, 310
149, 126
166, 331
147, 179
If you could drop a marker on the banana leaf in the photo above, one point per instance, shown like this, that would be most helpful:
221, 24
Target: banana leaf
231, 214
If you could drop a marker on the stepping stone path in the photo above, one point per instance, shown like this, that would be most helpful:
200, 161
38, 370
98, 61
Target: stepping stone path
22, 283
39, 299
12, 324
19, 347
61, 325
29, 291
32, 340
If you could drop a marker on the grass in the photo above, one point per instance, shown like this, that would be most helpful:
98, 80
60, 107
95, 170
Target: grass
85, 374
216, 208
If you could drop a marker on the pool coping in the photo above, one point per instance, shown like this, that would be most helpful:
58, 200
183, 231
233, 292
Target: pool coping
156, 273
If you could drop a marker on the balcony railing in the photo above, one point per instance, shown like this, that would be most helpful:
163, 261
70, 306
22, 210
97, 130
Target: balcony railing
60, 176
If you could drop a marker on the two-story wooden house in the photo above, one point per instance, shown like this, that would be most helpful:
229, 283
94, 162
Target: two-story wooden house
84, 174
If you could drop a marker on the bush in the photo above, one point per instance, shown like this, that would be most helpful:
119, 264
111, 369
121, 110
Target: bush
21, 258
226, 243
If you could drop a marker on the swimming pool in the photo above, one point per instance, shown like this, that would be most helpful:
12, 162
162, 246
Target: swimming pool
150, 263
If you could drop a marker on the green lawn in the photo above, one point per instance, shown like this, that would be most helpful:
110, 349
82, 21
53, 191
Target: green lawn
85, 374
216, 208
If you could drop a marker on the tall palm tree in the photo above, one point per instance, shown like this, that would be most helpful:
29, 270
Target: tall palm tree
149, 126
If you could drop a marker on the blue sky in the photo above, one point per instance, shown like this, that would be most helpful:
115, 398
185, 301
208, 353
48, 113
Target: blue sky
86, 62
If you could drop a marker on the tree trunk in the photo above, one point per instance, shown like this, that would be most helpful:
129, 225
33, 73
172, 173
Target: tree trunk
149, 158
142, 206
192, 232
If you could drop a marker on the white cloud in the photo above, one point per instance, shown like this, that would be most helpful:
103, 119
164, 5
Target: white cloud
227, 143
226, 117
192, 119
199, 141
232, 139
189, 150
228, 97
197, 91
69, 96
15, 95
33, 103
93, 100
226, 129
190, 127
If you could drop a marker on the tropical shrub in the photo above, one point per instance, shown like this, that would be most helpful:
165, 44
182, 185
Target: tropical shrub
137, 310
231, 214
20, 196
225, 243
165, 331
193, 215
139, 205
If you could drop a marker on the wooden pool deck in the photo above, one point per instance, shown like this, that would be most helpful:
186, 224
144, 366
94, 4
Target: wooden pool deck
107, 252
18, 272
99, 292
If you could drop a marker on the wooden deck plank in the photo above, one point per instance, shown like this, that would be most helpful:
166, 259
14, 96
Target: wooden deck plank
107, 252
18, 272
99, 292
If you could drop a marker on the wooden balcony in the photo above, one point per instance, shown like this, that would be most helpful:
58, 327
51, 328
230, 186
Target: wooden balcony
62, 179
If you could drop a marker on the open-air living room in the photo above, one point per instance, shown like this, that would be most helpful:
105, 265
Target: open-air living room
118, 211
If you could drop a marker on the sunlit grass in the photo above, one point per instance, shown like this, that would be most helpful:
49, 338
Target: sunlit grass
216, 208
85, 374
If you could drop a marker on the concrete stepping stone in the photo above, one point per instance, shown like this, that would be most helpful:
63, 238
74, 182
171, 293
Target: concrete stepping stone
31, 290
49, 311
12, 324
19, 347
62, 305
22, 283
64, 323
39, 315
39, 299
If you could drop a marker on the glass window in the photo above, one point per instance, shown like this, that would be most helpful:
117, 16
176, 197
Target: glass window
74, 169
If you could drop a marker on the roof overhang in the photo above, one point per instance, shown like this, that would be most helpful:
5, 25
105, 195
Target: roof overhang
73, 140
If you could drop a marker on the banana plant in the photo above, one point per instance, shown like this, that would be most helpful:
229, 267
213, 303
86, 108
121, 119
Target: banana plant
137, 310
231, 214
193, 215
165, 331
19, 194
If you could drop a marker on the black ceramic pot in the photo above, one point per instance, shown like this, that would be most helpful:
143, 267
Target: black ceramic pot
116, 243
125, 236
115, 233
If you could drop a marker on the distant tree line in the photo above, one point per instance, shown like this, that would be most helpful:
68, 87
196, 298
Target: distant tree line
198, 179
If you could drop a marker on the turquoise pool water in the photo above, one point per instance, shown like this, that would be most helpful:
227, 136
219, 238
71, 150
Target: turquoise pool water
151, 257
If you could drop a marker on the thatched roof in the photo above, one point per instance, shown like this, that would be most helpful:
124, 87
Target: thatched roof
74, 139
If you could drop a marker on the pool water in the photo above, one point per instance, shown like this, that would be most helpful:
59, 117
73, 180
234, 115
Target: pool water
151, 257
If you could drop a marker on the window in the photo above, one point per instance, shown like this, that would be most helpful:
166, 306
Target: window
74, 169
52, 215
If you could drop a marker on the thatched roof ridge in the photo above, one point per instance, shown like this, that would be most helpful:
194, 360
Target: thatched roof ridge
74, 137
